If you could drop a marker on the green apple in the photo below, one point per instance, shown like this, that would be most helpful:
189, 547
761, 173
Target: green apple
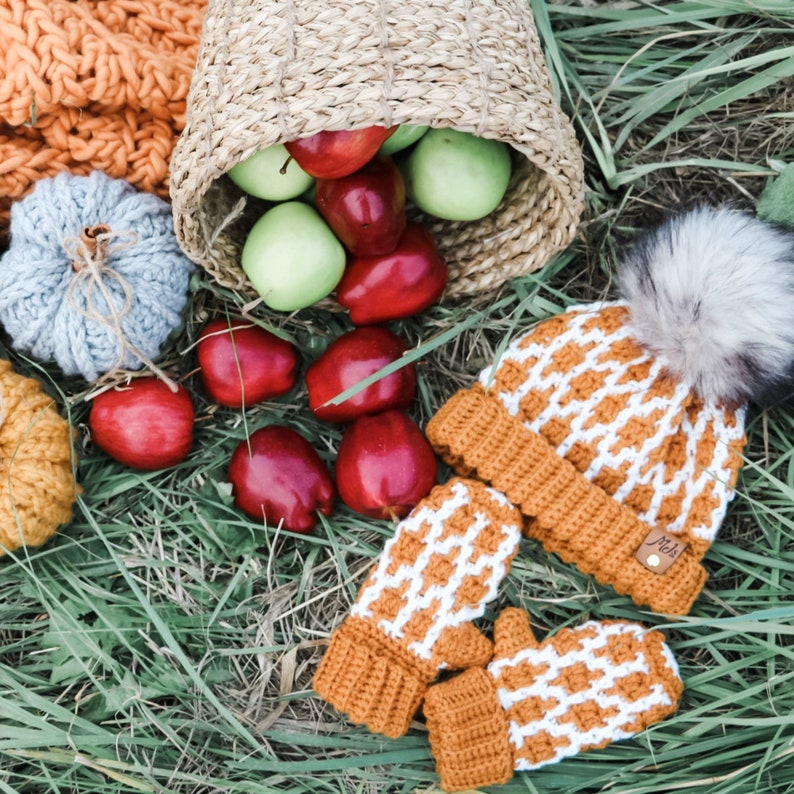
292, 257
310, 196
455, 175
271, 174
402, 138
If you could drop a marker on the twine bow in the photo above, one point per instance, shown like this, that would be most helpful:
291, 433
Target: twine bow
90, 254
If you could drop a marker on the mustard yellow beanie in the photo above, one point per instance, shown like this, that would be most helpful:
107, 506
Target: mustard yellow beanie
36, 463
618, 428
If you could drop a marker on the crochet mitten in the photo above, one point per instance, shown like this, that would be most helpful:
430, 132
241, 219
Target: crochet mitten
413, 616
536, 704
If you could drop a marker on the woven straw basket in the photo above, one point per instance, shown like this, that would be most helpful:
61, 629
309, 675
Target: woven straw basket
271, 71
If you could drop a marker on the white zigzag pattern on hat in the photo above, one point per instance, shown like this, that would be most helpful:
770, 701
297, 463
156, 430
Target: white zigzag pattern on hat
610, 673
603, 437
459, 550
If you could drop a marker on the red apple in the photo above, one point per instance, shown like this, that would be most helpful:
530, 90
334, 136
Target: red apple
145, 425
376, 289
242, 364
329, 154
278, 476
385, 465
365, 209
348, 360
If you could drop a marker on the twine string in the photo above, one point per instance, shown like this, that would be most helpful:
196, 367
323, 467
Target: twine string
90, 254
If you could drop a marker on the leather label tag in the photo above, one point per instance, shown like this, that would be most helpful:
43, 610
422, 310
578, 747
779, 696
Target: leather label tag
660, 550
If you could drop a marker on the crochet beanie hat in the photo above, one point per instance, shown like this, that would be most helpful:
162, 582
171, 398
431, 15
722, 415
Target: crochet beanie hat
618, 428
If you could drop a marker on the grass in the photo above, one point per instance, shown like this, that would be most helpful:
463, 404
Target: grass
164, 643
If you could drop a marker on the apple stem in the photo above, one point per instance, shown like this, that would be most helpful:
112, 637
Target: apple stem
283, 169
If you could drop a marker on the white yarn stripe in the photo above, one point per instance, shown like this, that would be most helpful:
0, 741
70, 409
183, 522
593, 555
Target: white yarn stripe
581, 410
548, 655
693, 478
609, 675
460, 550
540, 687
719, 472
420, 596
412, 523
670, 661
542, 354
638, 406
612, 731
600, 435
450, 614
658, 475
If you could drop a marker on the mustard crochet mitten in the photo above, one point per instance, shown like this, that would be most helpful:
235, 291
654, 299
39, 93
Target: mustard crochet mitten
537, 703
413, 616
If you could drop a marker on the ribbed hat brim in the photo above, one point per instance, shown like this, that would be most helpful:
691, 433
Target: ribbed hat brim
566, 512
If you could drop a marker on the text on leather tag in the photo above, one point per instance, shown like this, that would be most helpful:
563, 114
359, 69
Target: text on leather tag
659, 550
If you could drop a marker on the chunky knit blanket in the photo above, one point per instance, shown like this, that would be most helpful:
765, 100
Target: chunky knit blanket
93, 84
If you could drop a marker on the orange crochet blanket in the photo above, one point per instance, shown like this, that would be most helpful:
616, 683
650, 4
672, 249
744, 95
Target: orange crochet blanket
93, 84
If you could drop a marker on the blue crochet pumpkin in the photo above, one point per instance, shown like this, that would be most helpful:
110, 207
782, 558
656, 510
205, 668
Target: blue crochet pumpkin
93, 278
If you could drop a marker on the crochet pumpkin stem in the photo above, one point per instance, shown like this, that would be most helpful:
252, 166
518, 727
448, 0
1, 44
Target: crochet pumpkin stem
96, 243
90, 262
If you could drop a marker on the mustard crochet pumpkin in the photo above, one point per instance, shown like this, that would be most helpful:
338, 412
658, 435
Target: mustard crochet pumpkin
36, 463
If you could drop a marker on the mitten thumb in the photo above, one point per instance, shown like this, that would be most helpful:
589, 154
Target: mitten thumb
512, 633
463, 646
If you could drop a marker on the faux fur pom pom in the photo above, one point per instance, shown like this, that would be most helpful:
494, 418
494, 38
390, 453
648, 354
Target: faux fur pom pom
712, 292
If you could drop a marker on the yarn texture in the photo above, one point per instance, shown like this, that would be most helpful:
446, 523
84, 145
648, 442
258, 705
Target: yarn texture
585, 431
618, 428
414, 614
538, 703
93, 303
93, 84
38, 490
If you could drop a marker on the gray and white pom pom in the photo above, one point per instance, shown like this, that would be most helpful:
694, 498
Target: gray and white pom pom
711, 291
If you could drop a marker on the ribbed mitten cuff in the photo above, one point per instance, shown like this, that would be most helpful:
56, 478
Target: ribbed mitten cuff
468, 732
570, 516
372, 679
